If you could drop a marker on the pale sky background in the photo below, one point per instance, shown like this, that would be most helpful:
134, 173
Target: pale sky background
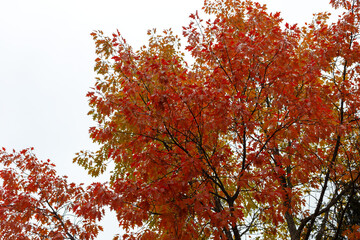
47, 59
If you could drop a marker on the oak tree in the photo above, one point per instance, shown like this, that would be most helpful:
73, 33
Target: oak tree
259, 136
36, 203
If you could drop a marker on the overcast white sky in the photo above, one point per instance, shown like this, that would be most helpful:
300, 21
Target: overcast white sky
46, 66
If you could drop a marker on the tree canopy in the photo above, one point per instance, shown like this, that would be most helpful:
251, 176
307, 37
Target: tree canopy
35, 203
258, 136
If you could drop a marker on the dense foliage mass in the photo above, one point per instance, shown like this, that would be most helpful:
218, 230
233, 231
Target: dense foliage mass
35, 203
259, 136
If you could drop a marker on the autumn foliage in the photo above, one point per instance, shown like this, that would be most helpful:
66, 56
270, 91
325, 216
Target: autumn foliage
36, 203
259, 136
